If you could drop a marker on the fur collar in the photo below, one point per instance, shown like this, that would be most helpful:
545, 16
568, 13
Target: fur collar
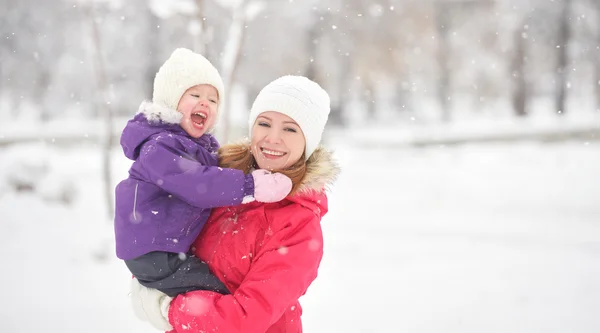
321, 172
321, 169
158, 113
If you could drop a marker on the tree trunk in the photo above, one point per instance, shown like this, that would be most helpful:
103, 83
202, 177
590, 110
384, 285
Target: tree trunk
596, 83
442, 20
564, 37
370, 98
103, 108
520, 92
314, 33
402, 98
152, 43
230, 61
200, 40
343, 94
41, 89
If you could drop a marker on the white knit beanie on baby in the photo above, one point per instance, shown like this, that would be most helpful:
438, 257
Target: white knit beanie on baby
183, 70
299, 98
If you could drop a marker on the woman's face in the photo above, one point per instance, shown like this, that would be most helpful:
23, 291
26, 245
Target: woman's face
277, 141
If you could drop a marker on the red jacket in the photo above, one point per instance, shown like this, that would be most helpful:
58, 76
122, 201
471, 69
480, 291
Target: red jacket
266, 254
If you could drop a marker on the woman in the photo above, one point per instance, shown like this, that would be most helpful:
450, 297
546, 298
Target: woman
267, 254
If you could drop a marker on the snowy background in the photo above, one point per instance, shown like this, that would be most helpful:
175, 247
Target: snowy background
468, 133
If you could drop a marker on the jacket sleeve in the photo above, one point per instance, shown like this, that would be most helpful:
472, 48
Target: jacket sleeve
168, 166
286, 265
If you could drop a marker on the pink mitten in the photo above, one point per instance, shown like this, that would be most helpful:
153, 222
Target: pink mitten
270, 187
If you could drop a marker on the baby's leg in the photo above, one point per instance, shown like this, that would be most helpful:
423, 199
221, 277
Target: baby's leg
151, 267
174, 274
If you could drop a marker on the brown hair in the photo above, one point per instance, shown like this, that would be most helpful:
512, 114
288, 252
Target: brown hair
239, 156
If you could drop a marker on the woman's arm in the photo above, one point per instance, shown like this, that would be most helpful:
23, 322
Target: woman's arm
283, 269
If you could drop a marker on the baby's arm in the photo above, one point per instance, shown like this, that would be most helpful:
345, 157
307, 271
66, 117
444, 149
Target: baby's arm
168, 166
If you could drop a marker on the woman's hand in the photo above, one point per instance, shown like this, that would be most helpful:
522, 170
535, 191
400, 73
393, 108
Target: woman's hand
151, 305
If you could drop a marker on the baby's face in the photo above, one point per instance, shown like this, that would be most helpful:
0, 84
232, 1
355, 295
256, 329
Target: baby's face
199, 108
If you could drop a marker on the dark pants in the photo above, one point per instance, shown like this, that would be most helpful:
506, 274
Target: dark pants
174, 273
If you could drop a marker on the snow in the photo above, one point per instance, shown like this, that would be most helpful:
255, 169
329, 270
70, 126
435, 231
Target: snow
414, 131
231, 4
167, 9
254, 8
492, 238
470, 238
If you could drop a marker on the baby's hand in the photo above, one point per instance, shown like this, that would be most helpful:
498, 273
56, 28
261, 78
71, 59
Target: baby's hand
270, 187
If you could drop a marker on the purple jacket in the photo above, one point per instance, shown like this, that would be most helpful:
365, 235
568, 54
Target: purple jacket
173, 183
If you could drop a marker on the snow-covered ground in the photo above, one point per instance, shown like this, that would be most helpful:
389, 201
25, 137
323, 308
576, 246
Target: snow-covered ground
477, 238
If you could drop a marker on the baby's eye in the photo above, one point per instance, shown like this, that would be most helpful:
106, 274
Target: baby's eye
197, 96
289, 129
213, 101
263, 124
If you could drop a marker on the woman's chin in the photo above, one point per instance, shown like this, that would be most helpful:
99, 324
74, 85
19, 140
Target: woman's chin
269, 165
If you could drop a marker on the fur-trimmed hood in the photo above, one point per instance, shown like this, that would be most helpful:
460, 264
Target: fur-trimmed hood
156, 113
321, 171
153, 119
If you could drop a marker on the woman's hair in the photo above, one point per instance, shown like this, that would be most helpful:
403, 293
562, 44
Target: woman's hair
239, 156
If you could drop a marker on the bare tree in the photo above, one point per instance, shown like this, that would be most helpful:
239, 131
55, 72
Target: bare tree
442, 22
519, 82
317, 33
200, 42
244, 11
596, 63
5, 48
313, 36
596, 83
104, 109
564, 38
343, 91
444, 12
152, 52
231, 60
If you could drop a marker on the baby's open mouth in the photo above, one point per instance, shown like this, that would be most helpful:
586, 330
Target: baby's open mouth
199, 118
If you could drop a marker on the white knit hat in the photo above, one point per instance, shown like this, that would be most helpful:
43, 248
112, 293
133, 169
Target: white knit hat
299, 98
183, 70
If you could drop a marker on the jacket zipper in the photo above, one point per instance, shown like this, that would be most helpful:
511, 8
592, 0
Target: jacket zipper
135, 201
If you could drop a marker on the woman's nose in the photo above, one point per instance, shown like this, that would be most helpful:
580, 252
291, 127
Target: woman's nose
273, 137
